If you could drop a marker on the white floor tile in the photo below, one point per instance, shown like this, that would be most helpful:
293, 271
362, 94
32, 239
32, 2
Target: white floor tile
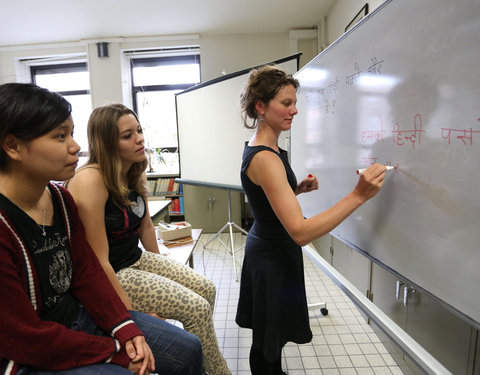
343, 342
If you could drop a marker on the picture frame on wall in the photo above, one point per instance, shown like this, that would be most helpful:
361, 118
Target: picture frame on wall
361, 13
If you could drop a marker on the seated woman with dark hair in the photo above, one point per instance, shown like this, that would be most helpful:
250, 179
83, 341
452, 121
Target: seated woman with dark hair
59, 312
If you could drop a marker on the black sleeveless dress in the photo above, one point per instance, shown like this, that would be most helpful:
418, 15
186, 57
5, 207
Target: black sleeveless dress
272, 298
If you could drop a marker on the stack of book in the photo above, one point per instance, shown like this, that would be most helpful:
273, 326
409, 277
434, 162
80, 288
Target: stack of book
176, 207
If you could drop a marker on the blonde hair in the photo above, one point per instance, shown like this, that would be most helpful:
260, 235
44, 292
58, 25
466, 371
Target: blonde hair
103, 137
262, 85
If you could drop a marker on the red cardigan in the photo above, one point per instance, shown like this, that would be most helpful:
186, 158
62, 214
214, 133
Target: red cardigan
27, 340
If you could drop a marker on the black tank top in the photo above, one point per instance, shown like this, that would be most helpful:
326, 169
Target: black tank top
122, 227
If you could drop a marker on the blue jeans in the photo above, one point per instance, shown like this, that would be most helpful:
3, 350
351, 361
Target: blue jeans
175, 351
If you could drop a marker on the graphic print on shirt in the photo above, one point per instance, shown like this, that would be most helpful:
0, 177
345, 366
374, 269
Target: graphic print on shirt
138, 207
49, 243
56, 254
61, 271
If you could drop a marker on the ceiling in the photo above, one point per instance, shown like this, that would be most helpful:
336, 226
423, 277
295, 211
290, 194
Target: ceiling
45, 21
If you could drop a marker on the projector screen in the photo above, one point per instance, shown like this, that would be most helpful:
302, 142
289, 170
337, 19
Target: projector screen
211, 134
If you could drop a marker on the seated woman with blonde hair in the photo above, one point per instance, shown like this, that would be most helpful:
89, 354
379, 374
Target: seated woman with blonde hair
110, 192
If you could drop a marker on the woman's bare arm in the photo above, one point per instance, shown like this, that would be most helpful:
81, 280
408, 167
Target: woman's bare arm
267, 170
90, 194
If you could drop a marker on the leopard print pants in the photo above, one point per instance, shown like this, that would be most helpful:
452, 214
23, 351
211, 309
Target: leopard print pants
157, 284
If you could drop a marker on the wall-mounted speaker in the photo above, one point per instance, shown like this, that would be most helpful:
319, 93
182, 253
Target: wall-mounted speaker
102, 49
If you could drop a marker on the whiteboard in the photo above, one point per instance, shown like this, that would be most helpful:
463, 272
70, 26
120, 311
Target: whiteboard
402, 88
211, 134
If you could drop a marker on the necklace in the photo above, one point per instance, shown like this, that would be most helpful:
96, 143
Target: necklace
44, 234
42, 227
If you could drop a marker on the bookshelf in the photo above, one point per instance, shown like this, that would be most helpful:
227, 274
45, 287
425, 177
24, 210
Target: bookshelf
165, 188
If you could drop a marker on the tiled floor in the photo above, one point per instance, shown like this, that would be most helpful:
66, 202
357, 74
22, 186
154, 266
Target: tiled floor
343, 343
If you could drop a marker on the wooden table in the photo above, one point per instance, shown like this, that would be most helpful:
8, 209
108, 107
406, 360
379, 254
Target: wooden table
181, 249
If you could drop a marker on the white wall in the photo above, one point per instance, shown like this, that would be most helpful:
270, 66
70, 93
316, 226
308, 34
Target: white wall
342, 13
219, 53
105, 75
230, 53
9, 55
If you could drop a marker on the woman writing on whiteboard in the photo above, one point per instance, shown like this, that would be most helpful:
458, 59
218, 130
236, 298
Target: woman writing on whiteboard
110, 192
272, 298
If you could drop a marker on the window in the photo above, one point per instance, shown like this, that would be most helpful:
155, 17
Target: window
155, 81
73, 83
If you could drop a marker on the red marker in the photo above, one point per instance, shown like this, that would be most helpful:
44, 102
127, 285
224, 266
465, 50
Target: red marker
310, 175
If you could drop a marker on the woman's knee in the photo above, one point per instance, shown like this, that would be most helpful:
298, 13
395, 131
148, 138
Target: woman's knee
210, 291
197, 314
189, 360
201, 307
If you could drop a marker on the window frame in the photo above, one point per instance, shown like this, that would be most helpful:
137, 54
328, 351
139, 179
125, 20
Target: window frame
158, 60
69, 67
60, 68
